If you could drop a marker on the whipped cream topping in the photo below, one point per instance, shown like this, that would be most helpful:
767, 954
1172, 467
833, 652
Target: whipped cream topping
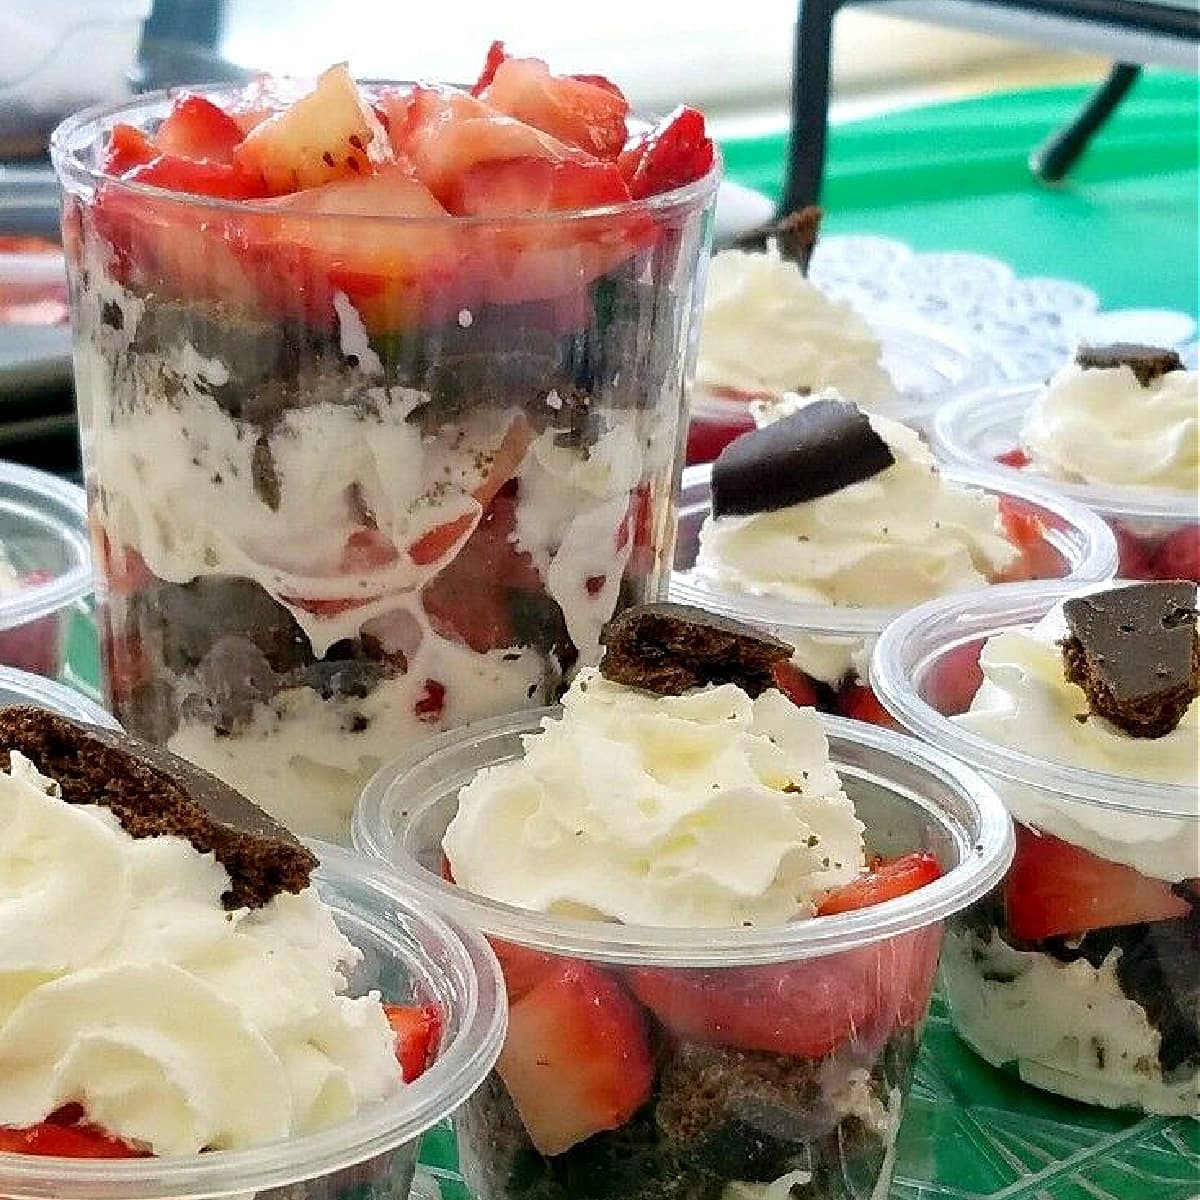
176, 1025
701, 810
1026, 703
1100, 426
767, 329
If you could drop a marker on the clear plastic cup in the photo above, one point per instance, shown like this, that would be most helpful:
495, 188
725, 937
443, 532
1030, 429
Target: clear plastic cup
357, 479
1109, 1017
927, 363
833, 643
21, 687
804, 1080
411, 956
45, 566
1157, 530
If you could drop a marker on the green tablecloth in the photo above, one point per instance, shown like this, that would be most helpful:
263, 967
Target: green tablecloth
956, 177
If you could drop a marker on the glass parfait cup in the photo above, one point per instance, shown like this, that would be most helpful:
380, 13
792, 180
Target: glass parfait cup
1058, 539
410, 956
745, 1055
356, 479
1107, 1015
1157, 529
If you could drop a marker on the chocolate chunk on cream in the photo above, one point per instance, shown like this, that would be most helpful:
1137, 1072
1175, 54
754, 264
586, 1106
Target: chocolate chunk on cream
1148, 363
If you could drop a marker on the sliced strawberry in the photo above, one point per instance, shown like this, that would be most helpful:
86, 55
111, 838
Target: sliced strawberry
127, 147
1016, 457
495, 56
196, 128
573, 110
515, 186
265, 96
804, 1009
577, 1057
907, 971
1057, 889
1135, 556
1179, 556
432, 702
859, 703
436, 543
523, 969
795, 684
1025, 527
955, 679
65, 1141
886, 880
329, 134
677, 151
223, 181
418, 1030
367, 549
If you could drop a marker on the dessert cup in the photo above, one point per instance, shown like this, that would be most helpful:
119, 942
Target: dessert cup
793, 1046
45, 566
21, 687
357, 479
410, 956
1157, 530
833, 643
1108, 1018
927, 364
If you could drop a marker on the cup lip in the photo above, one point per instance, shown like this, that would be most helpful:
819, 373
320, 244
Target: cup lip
69, 134
64, 506
965, 618
459, 1069
789, 616
23, 687
985, 854
1004, 408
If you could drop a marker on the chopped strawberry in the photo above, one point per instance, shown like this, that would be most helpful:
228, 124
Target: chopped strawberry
367, 550
329, 134
859, 703
196, 128
706, 438
523, 969
795, 684
515, 186
479, 619
804, 1009
432, 703
263, 97
1134, 556
886, 880
65, 1141
436, 543
1016, 457
577, 1057
33, 646
127, 147
1025, 527
907, 970
495, 56
955, 679
677, 151
575, 111
223, 181
418, 1030
1179, 556
1057, 889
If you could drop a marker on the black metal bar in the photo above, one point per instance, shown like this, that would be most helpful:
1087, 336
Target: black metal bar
1055, 157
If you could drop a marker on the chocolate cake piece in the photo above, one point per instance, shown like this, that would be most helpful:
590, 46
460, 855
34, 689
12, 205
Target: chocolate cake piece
1148, 363
795, 235
672, 648
1134, 651
153, 793
821, 448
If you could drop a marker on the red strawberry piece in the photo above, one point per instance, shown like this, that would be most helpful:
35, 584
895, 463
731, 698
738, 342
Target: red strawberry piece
707, 438
495, 56
33, 646
418, 1030
65, 1141
886, 880
600, 81
859, 703
804, 1009
577, 1057
955, 679
575, 111
436, 543
1016, 457
1135, 555
432, 703
367, 549
907, 970
523, 969
511, 187
196, 128
1057, 889
677, 151
1179, 556
1025, 526
798, 687
223, 181
127, 147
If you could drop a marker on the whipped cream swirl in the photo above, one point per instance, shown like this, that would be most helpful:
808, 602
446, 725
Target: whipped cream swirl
125, 987
702, 810
1100, 426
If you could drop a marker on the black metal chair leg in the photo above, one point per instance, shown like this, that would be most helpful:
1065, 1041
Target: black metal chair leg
1055, 157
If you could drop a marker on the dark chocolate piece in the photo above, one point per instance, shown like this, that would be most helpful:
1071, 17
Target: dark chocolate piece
153, 793
672, 648
1146, 362
795, 235
1135, 653
821, 448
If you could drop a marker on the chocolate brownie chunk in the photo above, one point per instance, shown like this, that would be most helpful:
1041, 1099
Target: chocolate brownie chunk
794, 234
154, 793
672, 648
1148, 363
1134, 652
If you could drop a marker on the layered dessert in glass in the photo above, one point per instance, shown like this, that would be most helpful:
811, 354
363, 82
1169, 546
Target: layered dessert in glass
218, 1012
1117, 429
827, 522
1080, 972
717, 914
380, 392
